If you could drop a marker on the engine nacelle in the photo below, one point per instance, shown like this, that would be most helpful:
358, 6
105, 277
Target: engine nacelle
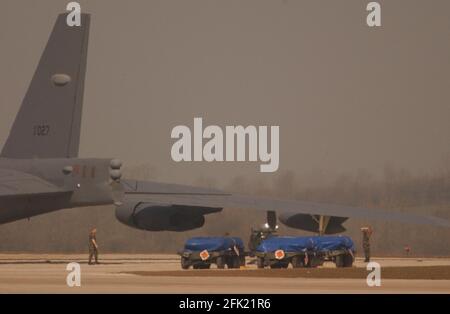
163, 217
310, 223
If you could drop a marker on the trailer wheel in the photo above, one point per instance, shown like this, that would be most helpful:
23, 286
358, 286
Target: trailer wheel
339, 260
220, 262
206, 266
260, 262
242, 260
202, 266
236, 260
348, 260
313, 262
297, 262
233, 262
280, 265
185, 263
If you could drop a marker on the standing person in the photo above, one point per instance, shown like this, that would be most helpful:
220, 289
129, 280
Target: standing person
93, 246
407, 249
367, 233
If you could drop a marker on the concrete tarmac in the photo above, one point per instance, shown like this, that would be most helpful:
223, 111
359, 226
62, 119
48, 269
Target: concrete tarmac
157, 273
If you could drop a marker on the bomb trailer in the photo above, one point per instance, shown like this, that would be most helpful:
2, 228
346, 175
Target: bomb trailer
279, 252
202, 252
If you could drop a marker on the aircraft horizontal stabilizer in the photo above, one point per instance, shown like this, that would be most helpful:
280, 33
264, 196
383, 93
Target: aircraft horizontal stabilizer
15, 183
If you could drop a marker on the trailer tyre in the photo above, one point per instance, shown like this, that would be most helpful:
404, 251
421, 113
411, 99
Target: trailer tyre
220, 262
242, 260
348, 260
339, 261
185, 263
260, 262
235, 262
297, 262
278, 265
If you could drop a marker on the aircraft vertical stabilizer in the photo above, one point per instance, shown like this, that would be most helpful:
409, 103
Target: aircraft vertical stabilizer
49, 120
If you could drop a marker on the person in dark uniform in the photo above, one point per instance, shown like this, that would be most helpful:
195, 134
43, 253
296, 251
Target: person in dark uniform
93, 246
367, 233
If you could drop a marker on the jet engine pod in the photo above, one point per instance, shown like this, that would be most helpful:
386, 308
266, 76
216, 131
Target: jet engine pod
162, 217
311, 222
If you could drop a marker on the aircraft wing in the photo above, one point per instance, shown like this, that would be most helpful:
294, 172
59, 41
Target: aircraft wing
190, 196
16, 183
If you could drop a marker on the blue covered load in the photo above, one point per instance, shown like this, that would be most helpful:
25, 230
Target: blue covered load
333, 243
306, 244
213, 244
287, 244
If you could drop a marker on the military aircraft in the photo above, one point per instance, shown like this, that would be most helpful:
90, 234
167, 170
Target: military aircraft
40, 171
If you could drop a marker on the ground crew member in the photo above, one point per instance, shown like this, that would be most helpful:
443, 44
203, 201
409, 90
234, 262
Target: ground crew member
93, 246
367, 233
407, 249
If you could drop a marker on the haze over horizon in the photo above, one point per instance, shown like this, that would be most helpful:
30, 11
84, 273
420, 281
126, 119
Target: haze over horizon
346, 97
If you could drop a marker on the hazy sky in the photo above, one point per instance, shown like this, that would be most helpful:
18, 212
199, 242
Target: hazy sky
346, 97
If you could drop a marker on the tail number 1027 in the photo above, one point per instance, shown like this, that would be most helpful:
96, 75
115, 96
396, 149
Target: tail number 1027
41, 130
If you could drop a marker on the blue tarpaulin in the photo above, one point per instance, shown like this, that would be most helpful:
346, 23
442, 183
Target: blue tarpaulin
303, 244
287, 244
333, 243
212, 244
